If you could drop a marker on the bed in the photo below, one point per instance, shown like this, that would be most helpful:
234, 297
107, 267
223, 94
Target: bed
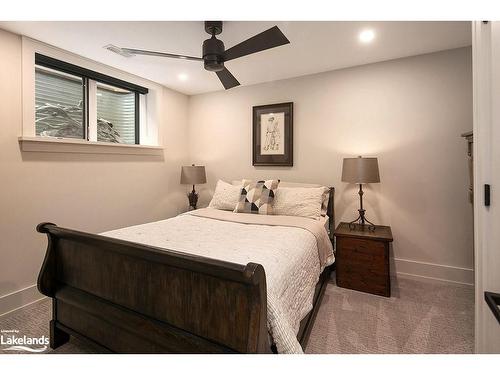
202, 282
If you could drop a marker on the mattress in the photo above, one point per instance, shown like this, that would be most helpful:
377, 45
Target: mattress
293, 251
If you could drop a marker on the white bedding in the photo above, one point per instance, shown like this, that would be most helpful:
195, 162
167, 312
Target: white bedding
293, 258
325, 221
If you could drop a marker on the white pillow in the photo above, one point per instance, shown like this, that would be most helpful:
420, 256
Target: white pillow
226, 196
297, 201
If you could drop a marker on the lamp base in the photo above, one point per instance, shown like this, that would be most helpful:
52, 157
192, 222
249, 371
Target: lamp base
362, 220
193, 198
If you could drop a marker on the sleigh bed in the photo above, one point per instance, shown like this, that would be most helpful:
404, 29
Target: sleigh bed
130, 297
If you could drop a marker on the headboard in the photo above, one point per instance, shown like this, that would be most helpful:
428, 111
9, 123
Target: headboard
330, 211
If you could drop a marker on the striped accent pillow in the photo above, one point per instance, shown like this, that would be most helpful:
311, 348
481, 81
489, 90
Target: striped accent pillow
257, 197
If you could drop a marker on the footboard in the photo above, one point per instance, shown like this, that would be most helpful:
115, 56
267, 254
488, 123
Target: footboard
132, 298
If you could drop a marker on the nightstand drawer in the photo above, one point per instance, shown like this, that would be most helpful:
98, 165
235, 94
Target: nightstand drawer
378, 266
367, 281
361, 251
363, 270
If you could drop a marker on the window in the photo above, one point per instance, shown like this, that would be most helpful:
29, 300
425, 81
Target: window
74, 102
115, 114
58, 104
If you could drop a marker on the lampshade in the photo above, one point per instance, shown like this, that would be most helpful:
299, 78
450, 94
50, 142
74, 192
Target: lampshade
193, 175
360, 170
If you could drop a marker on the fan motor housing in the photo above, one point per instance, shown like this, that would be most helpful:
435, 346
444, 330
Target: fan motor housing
213, 53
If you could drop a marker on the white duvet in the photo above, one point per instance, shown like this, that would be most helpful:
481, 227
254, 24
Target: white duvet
292, 256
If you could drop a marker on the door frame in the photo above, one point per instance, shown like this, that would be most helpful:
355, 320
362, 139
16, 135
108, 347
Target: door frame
485, 236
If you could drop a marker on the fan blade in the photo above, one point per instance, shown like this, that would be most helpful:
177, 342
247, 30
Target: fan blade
227, 79
267, 39
134, 51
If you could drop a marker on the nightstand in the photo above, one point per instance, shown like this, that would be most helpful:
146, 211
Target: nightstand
362, 258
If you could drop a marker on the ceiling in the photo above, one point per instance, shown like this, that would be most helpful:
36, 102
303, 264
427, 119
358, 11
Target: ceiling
314, 46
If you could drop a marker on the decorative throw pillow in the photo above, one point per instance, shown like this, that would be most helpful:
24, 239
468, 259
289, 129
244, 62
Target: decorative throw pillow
326, 198
257, 197
305, 202
226, 196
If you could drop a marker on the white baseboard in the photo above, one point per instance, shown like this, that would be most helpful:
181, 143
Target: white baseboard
415, 269
16, 300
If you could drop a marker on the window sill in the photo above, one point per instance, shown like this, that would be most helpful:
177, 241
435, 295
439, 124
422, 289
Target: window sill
65, 145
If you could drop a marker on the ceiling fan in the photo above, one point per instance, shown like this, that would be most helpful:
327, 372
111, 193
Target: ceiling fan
214, 53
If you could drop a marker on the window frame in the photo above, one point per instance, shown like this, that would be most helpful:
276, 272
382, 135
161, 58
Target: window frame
87, 76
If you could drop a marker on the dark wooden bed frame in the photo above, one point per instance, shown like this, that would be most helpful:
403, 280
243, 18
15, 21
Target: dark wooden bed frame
126, 297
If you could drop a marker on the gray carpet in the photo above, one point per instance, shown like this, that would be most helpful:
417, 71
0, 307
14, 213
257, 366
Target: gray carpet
420, 317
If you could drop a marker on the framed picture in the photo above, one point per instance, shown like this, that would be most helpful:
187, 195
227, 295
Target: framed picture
273, 134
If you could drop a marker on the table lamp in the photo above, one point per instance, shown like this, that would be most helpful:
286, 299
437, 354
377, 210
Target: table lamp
360, 171
193, 175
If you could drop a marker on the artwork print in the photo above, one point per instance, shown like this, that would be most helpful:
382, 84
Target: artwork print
272, 133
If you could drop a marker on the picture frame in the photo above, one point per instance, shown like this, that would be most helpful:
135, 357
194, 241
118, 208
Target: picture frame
272, 135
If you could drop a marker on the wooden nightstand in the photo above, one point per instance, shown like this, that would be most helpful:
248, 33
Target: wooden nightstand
362, 259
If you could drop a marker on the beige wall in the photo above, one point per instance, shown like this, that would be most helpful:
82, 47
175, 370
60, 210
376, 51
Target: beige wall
408, 112
84, 191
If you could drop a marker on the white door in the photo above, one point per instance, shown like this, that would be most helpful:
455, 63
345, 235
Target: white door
486, 77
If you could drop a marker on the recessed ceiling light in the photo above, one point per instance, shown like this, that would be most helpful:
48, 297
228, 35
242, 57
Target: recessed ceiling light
366, 36
182, 77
